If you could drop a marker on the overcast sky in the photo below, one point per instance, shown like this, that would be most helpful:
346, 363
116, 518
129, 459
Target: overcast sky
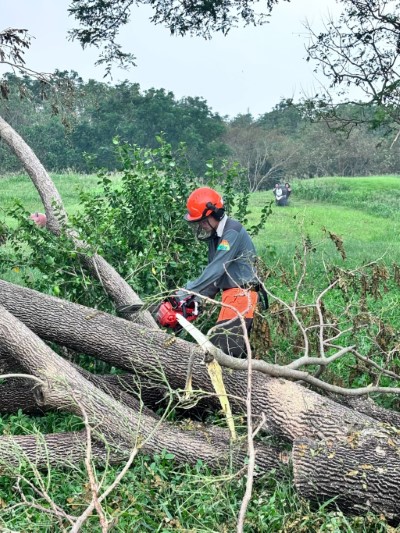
251, 69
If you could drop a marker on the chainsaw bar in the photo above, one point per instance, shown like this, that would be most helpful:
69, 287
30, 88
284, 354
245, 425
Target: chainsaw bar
130, 308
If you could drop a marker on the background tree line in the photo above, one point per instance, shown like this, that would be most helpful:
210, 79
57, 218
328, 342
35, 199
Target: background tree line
291, 141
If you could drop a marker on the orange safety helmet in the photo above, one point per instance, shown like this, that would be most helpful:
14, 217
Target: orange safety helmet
202, 203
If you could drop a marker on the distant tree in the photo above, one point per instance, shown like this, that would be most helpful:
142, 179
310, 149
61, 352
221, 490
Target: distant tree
326, 151
264, 154
286, 117
138, 117
360, 52
242, 120
103, 112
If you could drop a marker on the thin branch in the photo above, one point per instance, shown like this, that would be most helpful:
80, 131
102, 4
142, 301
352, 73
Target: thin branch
384, 371
318, 305
325, 361
23, 376
92, 481
260, 425
284, 372
55, 509
250, 441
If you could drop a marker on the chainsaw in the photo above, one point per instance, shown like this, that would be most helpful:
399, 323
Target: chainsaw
172, 306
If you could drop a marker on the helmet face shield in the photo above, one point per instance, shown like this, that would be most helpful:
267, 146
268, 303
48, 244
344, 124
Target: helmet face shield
202, 229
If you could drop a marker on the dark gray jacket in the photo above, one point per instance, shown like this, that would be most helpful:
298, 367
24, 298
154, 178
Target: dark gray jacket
231, 259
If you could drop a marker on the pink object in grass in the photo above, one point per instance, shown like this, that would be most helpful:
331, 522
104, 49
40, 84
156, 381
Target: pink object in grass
39, 218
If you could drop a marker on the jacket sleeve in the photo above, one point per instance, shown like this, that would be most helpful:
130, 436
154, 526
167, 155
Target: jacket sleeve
206, 283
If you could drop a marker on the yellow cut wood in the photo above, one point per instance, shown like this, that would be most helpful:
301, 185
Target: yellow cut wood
214, 371
188, 387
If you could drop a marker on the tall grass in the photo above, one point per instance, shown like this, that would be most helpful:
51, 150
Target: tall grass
379, 196
21, 187
364, 212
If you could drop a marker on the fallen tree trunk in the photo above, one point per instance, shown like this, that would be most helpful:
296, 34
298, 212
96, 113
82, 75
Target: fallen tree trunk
62, 450
109, 387
62, 387
18, 394
368, 407
291, 410
151, 394
359, 474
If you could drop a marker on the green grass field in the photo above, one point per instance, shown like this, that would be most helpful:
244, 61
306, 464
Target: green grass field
363, 211
21, 187
160, 495
354, 216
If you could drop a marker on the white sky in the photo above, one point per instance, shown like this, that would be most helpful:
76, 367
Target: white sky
251, 69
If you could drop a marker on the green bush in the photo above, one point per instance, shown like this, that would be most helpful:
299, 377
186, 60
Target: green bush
135, 221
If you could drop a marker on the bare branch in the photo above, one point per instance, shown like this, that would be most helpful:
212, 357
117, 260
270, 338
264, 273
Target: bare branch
324, 361
250, 441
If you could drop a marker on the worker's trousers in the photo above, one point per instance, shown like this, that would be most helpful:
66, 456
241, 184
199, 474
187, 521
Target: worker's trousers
229, 335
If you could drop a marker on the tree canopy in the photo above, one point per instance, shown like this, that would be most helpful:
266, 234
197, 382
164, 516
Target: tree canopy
101, 20
360, 54
280, 144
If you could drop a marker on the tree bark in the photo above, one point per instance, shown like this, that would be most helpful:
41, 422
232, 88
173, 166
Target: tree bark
152, 395
18, 394
115, 286
360, 474
65, 389
62, 450
368, 407
48, 193
291, 410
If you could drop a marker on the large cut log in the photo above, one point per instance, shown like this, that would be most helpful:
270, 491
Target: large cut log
291, 410
63, 387
360, 474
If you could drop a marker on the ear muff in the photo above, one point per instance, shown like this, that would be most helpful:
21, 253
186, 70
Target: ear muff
217, 212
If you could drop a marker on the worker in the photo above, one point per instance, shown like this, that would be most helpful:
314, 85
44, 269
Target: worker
230, 269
